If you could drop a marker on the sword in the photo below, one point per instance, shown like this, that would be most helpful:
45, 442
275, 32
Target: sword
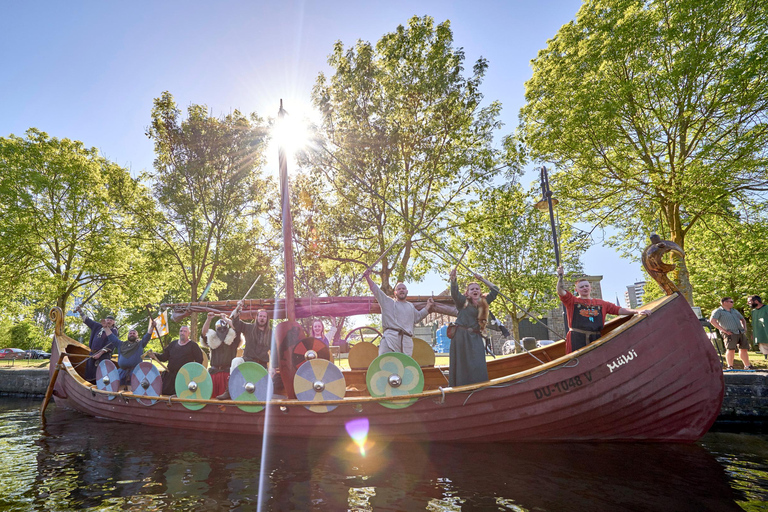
237, 308
251, 288
91, 295
386, 251
461, 259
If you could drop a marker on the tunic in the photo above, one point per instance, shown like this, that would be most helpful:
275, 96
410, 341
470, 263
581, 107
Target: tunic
98, 341
127, 364
585, 315
177, 356
467, 353
397, 320
760, 328
257, 341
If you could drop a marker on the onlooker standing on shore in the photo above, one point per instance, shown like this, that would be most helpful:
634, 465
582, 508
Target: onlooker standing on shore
759, 323
733, 327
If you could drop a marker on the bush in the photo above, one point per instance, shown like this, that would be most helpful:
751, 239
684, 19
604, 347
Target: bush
26, 335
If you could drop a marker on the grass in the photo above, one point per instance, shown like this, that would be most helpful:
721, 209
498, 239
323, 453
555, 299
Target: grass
24, 363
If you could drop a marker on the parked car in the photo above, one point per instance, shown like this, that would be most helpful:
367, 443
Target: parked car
12, 353
37, 354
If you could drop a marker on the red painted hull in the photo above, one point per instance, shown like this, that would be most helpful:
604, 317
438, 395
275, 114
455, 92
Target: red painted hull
668, 388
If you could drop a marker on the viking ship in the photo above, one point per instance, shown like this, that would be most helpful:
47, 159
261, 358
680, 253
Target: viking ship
653, 379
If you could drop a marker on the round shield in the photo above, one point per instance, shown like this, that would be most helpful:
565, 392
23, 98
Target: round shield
396, 375
361, 355
317, 380
423, 353
108, 377
146, 381
308, 349
249, 382
193, 381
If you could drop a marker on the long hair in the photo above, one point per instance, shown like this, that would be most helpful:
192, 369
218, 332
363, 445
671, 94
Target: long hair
483, 309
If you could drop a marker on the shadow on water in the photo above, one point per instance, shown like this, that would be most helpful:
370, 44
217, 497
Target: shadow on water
80, 463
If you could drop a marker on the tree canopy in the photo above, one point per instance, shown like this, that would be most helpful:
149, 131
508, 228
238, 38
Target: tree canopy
655, 114
208, 186
66, 227
404, 140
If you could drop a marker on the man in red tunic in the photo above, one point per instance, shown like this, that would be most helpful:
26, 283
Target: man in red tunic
586, 316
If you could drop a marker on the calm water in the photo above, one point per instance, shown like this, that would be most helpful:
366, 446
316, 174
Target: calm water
81, 463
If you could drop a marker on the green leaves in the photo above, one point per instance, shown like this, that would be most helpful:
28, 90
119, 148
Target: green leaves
654, 114
209, 189
65, 223
402, 129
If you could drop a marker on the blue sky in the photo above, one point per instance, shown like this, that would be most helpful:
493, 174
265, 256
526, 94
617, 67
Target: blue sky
89, 70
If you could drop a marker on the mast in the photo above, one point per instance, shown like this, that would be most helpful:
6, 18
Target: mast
285, 196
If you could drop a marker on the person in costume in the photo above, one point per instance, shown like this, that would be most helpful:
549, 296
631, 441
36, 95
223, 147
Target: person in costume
398, 316
258, 342
224, 342
100, 344
759, 318
177, 354
467, 352
318, 332
586, 316
129, 352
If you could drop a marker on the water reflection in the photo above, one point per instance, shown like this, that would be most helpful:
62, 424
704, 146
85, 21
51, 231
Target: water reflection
80, 462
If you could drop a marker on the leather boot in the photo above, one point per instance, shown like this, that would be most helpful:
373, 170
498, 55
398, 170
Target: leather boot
224, 396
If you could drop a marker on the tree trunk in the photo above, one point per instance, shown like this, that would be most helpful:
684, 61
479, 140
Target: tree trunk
680, 275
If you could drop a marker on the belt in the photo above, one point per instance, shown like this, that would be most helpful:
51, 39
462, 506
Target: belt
399, 331
582, 331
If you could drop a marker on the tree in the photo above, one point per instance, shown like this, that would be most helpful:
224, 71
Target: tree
655, 113
208, 185
402, 129
728, 257
66, 223
510, 243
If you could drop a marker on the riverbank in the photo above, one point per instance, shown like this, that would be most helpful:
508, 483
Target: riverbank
745, 403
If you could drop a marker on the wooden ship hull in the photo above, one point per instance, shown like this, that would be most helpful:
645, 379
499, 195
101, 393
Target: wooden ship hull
651, 379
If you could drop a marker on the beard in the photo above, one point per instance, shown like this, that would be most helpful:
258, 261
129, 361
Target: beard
132, 338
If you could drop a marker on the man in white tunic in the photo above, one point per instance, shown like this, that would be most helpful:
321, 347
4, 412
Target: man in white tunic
398, 316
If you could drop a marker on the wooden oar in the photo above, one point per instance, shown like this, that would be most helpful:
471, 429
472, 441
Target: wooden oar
49, 391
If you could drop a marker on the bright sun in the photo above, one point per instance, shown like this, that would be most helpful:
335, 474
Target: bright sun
291, 131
